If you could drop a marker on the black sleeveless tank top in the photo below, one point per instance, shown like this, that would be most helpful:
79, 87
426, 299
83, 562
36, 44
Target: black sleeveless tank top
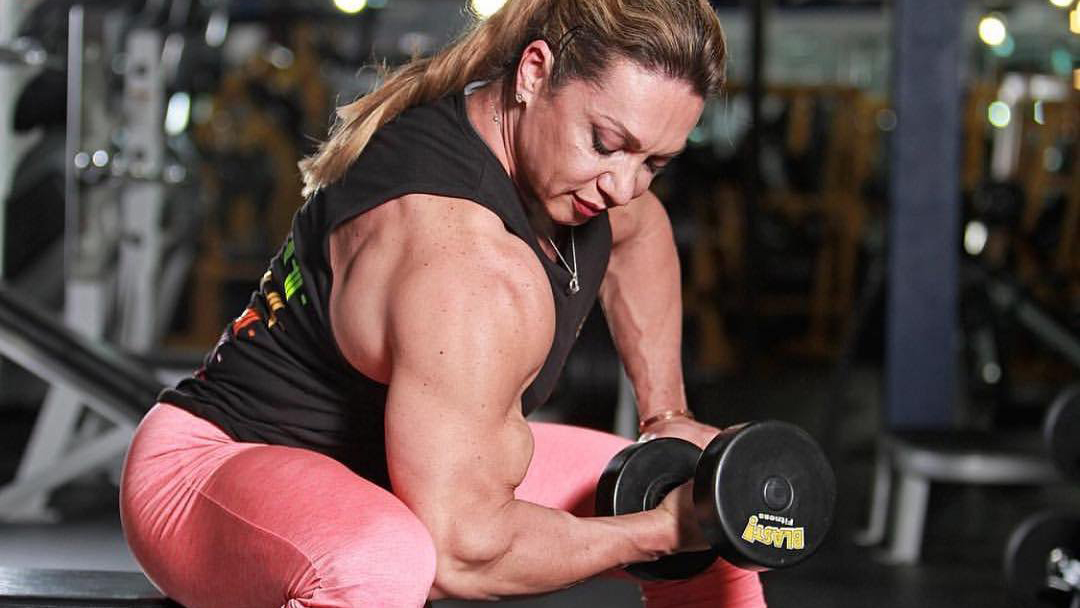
277, 376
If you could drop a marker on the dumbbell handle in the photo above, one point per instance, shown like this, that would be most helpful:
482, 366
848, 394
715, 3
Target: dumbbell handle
637, 479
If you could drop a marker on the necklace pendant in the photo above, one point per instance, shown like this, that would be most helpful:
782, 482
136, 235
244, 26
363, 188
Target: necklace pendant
573, 286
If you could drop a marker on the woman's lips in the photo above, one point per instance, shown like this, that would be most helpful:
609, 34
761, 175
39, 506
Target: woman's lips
586, 209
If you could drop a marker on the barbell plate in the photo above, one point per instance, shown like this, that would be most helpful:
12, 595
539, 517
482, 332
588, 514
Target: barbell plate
1028, 551
765, 494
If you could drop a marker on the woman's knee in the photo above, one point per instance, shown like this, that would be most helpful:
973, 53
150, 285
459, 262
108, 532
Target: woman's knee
389, 560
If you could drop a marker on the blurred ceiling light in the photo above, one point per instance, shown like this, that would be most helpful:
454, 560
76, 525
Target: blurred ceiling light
992, 30
280, 57
178, 113
999, 114
885, 119
975, 237
174, 173
1062, 3
486, 8
217, 28
991, 373
350, 6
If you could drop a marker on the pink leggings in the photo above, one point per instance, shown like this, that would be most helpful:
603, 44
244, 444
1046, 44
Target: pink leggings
218, 523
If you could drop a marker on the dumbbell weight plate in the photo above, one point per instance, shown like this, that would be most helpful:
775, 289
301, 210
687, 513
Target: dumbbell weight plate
1027, 553
764, 494
1061, 430
631, 483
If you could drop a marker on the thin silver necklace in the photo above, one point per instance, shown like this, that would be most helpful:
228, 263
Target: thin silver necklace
573, 287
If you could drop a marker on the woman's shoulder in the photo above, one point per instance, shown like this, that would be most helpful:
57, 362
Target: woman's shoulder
461, 226
424, 259
459, 256
452, 234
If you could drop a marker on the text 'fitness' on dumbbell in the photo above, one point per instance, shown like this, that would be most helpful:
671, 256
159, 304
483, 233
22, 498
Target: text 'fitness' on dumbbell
764, 495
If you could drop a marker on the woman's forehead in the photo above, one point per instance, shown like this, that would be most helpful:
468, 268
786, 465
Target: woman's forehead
653, 107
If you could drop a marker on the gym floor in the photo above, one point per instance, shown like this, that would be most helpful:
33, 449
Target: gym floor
966, 530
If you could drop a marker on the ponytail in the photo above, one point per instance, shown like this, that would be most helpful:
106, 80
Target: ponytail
484, 52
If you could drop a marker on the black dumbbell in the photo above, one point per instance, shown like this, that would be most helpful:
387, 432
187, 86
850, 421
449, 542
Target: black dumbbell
763, 494
1061, 428
1042, 561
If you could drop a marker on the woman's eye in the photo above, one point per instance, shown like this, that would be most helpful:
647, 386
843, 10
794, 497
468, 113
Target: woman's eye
599, 146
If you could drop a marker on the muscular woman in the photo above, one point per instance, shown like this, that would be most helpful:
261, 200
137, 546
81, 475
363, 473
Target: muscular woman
358, 435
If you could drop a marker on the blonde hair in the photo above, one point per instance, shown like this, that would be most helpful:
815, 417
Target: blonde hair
681, 39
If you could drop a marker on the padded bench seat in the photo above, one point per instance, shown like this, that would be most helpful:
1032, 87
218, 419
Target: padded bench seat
21, 587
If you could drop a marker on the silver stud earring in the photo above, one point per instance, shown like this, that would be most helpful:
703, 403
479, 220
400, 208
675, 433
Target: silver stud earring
519, 97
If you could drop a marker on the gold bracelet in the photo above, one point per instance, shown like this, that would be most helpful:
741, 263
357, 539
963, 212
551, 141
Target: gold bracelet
662, 416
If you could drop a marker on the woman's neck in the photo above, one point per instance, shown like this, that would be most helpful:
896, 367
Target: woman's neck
495, 121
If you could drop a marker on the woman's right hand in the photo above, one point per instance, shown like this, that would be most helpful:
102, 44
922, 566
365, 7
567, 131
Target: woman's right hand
679, 505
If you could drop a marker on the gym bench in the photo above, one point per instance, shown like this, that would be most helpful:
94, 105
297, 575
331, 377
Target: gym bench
117, 388
917, 459
28, 588
93, 374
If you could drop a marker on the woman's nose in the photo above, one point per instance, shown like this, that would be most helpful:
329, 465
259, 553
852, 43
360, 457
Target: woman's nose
621, 185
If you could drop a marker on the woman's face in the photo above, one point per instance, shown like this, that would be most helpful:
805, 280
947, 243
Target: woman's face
590, 147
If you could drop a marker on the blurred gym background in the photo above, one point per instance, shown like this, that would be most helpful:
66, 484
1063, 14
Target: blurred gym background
879, 228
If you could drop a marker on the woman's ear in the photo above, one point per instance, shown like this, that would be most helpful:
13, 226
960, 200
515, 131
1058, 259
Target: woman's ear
534, 70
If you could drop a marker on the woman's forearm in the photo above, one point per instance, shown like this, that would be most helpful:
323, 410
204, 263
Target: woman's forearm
530, 549
642, 301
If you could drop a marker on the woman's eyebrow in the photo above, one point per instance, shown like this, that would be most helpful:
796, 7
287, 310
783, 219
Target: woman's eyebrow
632, 141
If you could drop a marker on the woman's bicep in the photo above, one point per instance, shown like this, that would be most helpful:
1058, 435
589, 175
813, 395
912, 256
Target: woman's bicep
461, 356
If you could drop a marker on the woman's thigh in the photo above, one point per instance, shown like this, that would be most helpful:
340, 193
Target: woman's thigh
220, 523
566, 464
